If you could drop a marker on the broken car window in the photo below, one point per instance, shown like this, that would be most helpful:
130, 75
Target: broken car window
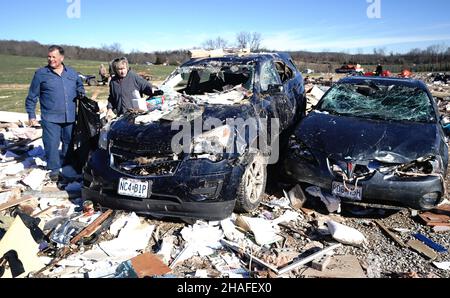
284, 71
201, 79
269, 76
376, 101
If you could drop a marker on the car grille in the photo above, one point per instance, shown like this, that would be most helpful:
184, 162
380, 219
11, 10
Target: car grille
156, 166
340, 168
156, 147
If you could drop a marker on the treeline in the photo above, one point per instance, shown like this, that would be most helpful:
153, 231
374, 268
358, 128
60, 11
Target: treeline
105, 53
433, 58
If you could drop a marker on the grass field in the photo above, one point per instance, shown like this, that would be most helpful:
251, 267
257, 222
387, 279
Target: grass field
16, 73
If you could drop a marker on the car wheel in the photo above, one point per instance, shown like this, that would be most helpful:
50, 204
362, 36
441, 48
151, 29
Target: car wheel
252, 185
92, 82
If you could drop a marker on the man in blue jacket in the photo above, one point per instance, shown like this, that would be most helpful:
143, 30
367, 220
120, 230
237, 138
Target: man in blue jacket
57, 87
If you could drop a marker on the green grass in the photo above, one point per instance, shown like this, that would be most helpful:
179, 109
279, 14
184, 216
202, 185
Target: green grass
16, 73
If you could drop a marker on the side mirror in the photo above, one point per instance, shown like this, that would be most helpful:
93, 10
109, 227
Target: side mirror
275, 88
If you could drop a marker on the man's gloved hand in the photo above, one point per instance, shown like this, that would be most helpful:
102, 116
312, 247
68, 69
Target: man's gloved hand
158, 92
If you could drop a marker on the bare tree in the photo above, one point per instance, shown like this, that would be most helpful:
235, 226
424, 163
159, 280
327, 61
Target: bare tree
248, 40
218, 43
243, 39
208, 44
255, 41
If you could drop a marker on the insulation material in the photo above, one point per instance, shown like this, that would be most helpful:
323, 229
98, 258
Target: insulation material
18, 238
344, 234
35, 179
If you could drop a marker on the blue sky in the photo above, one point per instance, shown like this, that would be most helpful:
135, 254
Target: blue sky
334, 25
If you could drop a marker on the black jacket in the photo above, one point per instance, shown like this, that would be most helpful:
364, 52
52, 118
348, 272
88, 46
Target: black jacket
122, 91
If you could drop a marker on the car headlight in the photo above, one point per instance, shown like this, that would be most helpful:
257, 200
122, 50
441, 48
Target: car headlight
103, 137
213, 141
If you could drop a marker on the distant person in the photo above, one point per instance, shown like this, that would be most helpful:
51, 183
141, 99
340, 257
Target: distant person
57, 87
123, 87
379, 70
103, 74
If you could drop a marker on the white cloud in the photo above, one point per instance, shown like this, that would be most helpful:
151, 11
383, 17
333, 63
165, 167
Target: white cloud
286, 41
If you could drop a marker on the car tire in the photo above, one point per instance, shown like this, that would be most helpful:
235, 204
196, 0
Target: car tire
252, 185
92, 82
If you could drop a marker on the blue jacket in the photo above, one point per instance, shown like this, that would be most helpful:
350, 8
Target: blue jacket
56, 94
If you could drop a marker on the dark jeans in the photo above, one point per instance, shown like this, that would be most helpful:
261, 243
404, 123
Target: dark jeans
52, 135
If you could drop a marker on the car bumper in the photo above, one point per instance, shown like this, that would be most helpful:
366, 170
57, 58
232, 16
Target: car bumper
199, 189
408, 191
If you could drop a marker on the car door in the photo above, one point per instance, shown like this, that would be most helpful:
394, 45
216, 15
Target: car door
274, 98
290, 88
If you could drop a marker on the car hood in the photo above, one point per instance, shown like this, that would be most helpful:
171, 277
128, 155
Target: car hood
343, 137
160, 131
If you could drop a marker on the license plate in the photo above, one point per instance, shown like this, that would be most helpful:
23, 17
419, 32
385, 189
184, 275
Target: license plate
353, 193
134, 188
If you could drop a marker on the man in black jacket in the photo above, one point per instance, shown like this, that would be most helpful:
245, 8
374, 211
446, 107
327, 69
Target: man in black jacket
125, 86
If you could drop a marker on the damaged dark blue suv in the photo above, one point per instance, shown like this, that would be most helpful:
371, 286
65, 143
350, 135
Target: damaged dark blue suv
202, 153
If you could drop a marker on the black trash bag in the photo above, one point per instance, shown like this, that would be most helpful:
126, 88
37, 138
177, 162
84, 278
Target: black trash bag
15, 264
86, 132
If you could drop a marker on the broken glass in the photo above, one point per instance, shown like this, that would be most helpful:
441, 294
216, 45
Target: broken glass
210, 78
377, 101
184, 112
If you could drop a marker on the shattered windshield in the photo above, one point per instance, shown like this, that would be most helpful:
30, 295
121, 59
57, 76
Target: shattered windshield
211, 78
377, 101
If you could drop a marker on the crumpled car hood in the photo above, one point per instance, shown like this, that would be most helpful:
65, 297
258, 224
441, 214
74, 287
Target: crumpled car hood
354, 138
160, 131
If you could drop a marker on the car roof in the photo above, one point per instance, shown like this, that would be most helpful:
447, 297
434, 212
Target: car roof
244, 59
385, 81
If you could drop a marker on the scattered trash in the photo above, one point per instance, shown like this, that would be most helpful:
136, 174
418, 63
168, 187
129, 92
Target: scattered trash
35, 179
442, 265
430, 243
297, 197
345, 235
422, 249
332, 202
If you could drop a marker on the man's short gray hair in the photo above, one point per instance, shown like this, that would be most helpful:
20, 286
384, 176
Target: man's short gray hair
56, 48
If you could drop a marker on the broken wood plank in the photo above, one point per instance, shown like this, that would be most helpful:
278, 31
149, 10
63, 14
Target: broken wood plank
442, 209
346, 266
91, 228
422, 249
394, 237
236, 248
308, 259
16, 200
431, 219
